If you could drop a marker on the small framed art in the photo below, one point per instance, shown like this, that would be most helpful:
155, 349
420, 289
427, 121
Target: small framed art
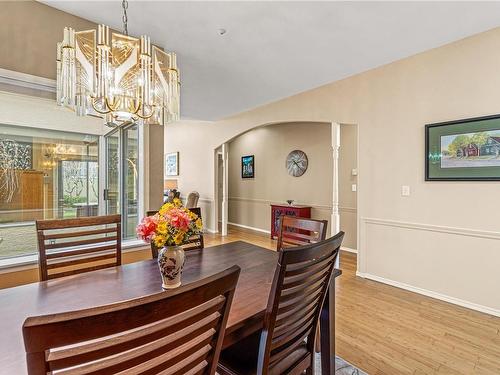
248, 166
172, 164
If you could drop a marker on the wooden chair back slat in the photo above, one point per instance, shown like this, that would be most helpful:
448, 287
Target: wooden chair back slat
194, 243
298, 292
297, 231
89, 241
174, 332
79, 270
77, 222
176, 328
79, 234
58, 239
69, 253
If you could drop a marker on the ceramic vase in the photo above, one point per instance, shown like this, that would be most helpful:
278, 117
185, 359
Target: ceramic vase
171, 263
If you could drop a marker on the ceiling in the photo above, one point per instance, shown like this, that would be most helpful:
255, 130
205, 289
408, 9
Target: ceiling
276, 49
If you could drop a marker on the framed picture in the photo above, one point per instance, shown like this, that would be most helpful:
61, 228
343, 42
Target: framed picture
247, 166
172, 164
463, 150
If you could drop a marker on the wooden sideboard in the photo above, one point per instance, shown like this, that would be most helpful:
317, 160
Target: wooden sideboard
278, 210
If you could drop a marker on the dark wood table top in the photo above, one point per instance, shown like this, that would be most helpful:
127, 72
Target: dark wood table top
136, 280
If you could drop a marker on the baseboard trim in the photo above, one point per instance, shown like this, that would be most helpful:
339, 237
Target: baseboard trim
249, 227
348, 249
210, 230
432, 294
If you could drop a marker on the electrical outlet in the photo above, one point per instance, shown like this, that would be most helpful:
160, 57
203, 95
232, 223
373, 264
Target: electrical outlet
354, 172
354, 187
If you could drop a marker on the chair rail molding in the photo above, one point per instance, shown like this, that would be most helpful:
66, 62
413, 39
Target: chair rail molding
11, 77
433, 228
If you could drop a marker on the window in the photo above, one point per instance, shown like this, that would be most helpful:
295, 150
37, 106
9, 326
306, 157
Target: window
44, 174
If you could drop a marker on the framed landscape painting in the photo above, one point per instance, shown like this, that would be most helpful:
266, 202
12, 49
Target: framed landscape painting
247, 166
463, 150
172, 164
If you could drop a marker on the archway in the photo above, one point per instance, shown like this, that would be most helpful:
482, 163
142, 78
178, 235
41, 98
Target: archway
222, 200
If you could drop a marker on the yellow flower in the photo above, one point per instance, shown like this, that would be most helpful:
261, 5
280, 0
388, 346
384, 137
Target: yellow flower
177, 202
198, 223
160, 240
165, 208
179, 237
162, 227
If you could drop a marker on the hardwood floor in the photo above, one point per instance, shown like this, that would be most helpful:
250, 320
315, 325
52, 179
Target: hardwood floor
386, 330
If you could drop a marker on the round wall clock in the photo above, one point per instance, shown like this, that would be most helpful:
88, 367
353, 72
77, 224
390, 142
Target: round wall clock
296, 163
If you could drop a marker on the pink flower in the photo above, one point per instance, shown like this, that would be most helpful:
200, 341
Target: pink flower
178, 219
146, 229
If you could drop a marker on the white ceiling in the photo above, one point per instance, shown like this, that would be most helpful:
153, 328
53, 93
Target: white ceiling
276, 49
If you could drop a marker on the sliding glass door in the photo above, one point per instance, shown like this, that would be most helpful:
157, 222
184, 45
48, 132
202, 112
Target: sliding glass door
121, 191
130, 180
112, 180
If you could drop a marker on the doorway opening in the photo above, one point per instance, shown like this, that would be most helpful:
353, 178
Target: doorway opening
333, 151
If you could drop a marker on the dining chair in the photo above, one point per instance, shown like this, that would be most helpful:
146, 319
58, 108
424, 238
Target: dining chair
194, 243
192, 199
175, 332
286, 343
71, 246
298, 231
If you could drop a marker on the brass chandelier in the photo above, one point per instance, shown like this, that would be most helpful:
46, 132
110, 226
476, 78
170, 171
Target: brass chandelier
117, 77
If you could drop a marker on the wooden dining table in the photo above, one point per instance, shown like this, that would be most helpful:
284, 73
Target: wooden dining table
143, 278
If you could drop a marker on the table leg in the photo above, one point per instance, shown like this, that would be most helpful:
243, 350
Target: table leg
327, 334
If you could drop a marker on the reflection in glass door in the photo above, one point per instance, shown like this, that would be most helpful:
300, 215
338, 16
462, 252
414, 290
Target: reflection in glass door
112, 186
130, 180
122, 177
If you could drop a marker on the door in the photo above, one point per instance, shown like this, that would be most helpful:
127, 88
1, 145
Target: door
121, 192
130, 181
112, 175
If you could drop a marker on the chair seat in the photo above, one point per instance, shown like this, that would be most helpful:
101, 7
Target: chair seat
241, 358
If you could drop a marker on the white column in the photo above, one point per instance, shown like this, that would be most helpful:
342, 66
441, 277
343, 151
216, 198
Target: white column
225, 174
335, 218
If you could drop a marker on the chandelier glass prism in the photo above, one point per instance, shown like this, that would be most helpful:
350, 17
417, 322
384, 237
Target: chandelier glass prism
117, 77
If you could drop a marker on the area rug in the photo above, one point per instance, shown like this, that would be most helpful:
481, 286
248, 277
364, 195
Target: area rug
341, 367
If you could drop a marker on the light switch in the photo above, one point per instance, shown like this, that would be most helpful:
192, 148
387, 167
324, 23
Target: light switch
405, 191
354, 187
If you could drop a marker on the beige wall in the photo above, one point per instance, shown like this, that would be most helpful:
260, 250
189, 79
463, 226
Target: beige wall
29, 32
196, 163
249, 199
156, 172
423, 242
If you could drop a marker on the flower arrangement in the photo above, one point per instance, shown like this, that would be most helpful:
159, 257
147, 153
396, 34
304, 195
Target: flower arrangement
173, 225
